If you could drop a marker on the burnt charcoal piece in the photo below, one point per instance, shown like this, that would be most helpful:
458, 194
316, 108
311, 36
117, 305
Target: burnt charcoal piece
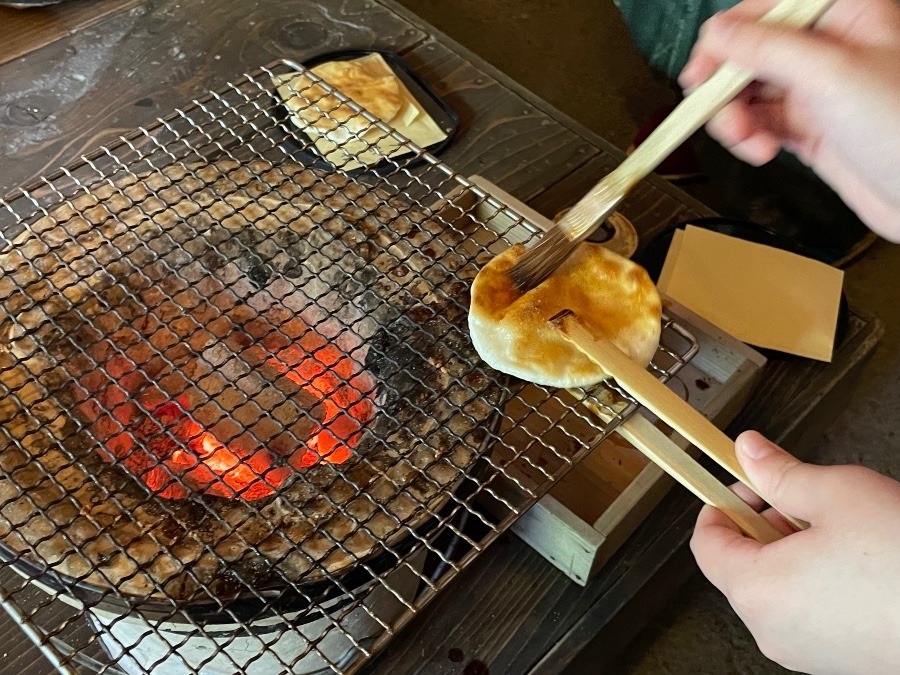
259, 275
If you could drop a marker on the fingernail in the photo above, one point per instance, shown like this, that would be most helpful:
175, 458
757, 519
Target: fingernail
752, 445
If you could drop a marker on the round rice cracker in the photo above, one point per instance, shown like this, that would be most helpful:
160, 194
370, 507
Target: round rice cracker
614, 298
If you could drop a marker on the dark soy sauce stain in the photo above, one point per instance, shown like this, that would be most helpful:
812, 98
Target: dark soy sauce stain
476, 668
456, 655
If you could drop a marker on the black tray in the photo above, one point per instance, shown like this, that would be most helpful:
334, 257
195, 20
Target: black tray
443, 115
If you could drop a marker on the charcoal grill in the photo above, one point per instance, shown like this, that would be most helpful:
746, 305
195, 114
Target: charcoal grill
243, 427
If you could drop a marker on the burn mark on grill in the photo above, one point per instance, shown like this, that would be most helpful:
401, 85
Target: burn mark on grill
259, 274
368, 251
418, 360
422, 313
292, 269
213, 260
284, 238
403, 357
172, 530
241, 338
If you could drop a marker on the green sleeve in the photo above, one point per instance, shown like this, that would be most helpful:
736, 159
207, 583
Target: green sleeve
665, 30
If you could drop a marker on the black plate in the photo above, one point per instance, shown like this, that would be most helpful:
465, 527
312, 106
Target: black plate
443, 115
653, 255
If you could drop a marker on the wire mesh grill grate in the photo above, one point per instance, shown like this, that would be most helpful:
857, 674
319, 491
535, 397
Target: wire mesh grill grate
244, 429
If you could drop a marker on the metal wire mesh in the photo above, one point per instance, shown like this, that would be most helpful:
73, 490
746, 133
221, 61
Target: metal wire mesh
244, 429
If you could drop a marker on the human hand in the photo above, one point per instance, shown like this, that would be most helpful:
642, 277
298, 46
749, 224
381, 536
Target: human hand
826, 599
830, 95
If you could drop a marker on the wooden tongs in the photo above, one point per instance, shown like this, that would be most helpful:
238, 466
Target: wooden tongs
678, 414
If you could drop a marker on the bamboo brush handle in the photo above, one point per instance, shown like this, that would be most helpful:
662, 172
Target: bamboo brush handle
659, 399
691, 114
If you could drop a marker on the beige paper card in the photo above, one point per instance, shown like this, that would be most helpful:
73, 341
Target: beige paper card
762, 295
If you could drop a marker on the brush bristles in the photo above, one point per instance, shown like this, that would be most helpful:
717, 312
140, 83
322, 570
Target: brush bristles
542, 259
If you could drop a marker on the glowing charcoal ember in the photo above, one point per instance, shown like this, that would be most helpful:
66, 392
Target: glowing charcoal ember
235, 426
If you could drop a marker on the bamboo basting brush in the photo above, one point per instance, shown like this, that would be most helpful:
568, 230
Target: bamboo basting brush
693, 112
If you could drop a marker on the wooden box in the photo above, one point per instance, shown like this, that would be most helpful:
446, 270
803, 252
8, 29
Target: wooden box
601, 501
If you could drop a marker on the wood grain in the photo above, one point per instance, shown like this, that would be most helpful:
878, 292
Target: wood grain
793, 391
86, 89
502, 136
133, 67
656, 397
26, 30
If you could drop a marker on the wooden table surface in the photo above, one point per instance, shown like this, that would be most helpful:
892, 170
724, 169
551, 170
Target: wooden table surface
78, 75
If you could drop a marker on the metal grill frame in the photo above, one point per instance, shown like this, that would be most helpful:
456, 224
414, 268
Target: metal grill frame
233, 121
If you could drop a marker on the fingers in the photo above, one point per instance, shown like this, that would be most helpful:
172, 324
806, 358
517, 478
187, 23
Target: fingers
722, 552
751, 9
755, 502
699, 68
702, 64
736, 128
734, 124
757, 150
779, 522
759, 505
775, 53
752, 127
781, 479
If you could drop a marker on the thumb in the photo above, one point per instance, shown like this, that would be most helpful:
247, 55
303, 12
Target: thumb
786, 483
782, 55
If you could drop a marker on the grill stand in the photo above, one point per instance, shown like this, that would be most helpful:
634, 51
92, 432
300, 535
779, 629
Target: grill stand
133, 642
